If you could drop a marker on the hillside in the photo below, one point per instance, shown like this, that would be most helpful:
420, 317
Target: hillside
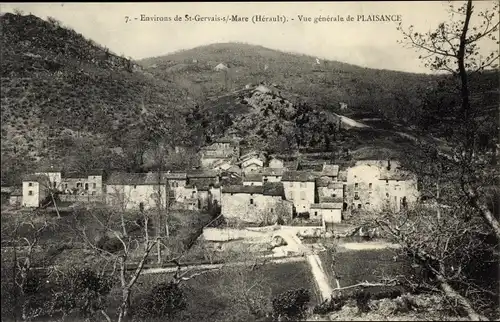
324, 85
384, 98
61, 93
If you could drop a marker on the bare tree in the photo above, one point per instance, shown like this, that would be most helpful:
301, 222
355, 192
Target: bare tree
131, 251
454, 47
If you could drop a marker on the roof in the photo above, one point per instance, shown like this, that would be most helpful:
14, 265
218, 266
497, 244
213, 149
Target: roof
243, 189
330, 199
395, 172
7, 189
327, 205
202, 174
126, 178
253, 177
329, 183
175, 175
268, 189
272, 171
17, 192
302, 176
83, 174
331, 170
273, 189
291, 165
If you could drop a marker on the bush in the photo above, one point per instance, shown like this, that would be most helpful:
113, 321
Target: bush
291, 305
82, 290
330, 305
363, 301
165, 300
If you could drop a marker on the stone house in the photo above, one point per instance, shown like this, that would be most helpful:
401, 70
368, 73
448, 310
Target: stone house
276, 163
53, 174
299, 188
252, 165
226, 149
207, 185
378, 184
253, 179
135, 190
255, 204
328, 212
329, 190
16, 197
12, 196
35, 190
88, 183
271, 174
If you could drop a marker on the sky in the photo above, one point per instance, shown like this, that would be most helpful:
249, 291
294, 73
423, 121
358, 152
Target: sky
368, 44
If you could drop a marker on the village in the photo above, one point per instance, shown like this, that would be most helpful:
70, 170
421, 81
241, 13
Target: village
249, 188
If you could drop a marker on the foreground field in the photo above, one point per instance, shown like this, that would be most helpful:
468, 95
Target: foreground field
229, 294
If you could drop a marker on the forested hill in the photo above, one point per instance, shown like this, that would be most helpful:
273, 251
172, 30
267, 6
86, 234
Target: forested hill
420, 101
324, 85
63, 95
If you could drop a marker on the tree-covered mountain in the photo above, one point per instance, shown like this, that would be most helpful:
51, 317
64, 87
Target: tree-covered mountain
63, 95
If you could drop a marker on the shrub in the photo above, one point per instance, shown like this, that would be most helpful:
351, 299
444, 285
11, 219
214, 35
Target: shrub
83, 291
291, 305
363, 301
165, 300
330, 305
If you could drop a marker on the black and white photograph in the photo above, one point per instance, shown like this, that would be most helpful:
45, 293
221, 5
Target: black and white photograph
250, 161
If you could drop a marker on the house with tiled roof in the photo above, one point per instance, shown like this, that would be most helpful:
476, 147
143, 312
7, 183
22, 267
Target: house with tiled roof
256, 204
379, 184
271, 174
300, 189
253, 179
35, 189
327, 212
136, 190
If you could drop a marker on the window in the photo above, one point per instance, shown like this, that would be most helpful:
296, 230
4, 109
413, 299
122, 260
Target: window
272, 210
94, 185
135, 186
30, 184
251, 201
356, 185
30, 193
65, 186
370, 185
334, 195
315, 213
93, 193
54, 184
356, 195
359, 206
265, 179
79, 185
251, 184
386, 181
387, 195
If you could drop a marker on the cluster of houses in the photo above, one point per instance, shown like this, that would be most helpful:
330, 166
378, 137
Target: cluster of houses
249, 187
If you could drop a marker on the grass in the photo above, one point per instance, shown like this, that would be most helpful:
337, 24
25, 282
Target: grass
218, 295
353, 267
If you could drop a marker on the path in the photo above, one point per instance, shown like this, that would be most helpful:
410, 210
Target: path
350, 122
216, 266
295, 244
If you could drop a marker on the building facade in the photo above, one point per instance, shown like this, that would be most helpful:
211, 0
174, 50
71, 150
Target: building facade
299, 188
